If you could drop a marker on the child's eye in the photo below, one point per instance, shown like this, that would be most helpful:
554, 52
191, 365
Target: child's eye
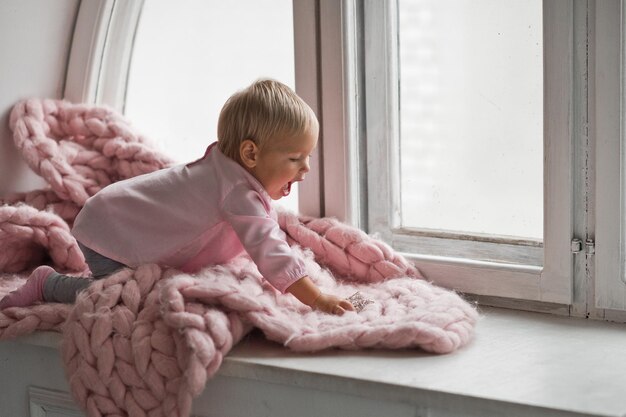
300, 159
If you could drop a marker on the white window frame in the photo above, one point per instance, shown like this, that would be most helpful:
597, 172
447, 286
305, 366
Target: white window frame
326, 64
100, 58
608, 126
328, 78
341, 195
101, 52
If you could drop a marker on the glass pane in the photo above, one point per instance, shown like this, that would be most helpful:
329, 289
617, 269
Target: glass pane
471, 114
190, 56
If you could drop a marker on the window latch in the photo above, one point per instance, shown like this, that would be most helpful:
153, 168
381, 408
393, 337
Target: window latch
589, 246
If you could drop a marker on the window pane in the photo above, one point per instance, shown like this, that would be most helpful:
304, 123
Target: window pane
471, 109
190, 56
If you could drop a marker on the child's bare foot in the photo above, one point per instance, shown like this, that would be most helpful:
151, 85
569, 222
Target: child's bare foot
30, 292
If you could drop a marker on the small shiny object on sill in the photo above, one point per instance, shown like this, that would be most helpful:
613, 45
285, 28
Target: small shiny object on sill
359, 302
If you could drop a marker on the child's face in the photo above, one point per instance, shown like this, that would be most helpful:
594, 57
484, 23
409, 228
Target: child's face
282, 163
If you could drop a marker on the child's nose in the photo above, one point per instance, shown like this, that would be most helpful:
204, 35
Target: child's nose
306, 167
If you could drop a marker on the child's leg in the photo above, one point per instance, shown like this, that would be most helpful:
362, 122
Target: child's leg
30, 292
60, 288
99, 265
63, 288
45, 284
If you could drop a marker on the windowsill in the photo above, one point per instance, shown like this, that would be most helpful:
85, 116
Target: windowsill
520, 363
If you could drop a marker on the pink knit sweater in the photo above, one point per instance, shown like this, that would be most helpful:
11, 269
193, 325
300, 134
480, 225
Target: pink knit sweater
189, 216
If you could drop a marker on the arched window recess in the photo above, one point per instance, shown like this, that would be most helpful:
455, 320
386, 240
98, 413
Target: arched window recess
101, 52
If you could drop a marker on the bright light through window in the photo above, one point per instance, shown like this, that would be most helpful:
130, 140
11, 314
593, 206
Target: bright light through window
190, 56
472, 116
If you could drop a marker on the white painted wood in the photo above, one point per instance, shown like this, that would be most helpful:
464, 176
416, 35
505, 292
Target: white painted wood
554, 282
101, 52
306, 51
51, 403
381, 96
582, 171
32, 361
551, 365
88, 44
480, 277
116, 56
520, 364
337, 63
325, 62
353, 112
610, 289
246, 397
35, 37
622, 139
487, 250
557, 276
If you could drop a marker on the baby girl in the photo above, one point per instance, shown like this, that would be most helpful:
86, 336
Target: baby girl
205, 212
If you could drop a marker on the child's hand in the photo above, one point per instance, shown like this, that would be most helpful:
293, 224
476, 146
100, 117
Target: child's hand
307, 292
332, 305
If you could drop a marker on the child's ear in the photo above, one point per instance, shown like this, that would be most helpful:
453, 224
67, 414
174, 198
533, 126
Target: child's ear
248, 152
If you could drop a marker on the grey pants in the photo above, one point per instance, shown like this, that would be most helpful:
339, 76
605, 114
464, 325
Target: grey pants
60, 288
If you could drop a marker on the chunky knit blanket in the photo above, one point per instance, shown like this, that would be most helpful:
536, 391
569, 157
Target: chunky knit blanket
144, 342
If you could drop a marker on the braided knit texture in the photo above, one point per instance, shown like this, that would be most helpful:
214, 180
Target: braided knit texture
144, 342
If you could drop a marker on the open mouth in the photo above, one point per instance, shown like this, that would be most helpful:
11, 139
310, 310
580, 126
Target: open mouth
287, 189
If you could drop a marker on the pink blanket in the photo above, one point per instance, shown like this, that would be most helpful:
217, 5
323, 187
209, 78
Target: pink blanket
145, 341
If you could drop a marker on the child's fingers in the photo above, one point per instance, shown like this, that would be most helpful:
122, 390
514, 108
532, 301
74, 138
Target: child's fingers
333, 305
342, 306
338, 310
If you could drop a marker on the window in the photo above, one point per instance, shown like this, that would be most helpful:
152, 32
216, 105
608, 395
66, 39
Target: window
170, 67
444, 78
189, 57
607, 126
368, 81
470, 143
583, 174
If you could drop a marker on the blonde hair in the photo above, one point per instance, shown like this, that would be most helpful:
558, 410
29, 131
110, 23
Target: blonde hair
265, 110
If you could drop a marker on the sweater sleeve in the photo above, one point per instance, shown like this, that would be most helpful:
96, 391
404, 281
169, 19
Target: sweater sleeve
262, 238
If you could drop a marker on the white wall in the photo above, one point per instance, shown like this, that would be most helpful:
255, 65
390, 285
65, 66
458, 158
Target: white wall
35, 40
